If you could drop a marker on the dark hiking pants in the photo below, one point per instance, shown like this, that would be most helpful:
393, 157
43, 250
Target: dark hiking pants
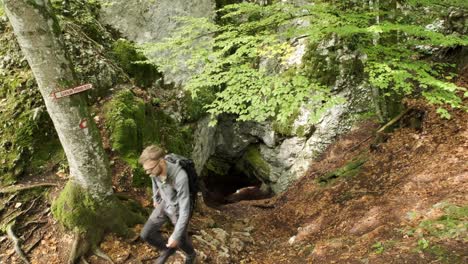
151, 232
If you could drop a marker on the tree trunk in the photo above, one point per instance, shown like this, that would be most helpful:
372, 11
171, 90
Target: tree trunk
87, 204
38, 35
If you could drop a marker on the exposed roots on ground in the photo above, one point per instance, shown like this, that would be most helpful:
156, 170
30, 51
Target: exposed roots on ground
81, 246
17, 188
16, 242
98, 252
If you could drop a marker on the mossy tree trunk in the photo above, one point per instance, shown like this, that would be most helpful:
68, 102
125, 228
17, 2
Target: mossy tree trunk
38, 34
88, 199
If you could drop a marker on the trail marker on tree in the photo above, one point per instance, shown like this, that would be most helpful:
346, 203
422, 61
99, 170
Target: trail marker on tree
71, 91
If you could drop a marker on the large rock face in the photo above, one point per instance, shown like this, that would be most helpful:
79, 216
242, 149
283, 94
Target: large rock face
277, 158
151, 21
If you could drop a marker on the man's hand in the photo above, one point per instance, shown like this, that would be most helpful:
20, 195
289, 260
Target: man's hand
171, 243
155, 204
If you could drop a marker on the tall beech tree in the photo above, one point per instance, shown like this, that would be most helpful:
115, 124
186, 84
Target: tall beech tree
87, 204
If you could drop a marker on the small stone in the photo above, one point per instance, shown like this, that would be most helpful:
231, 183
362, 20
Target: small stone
17, 205
236, 245
220, 234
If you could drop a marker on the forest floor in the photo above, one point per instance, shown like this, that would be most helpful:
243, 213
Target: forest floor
403, 200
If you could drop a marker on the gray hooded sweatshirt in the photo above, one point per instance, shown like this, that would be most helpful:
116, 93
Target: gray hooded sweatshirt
174, 195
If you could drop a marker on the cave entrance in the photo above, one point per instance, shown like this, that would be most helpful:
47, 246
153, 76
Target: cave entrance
221, 179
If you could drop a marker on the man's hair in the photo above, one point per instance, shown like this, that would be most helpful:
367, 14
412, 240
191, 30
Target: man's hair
151, 152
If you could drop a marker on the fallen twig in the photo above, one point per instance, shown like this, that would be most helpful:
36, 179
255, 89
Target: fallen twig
394, 120
32, 230
16, 242
359, 143
34, 244
16, 188
37, 222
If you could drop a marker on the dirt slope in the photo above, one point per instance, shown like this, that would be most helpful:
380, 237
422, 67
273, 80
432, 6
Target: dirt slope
394, 210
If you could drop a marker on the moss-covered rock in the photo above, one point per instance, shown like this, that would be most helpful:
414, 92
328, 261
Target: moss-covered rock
134, 124
77, 209
132, 61
286, 128
125, 115
217, 167
253, 164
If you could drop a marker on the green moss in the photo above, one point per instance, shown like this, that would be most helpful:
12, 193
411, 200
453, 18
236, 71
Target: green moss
253, 164
132, 61
326, 68
28, 142
84, 13
286, 128
134, 124
300, 131
351, 169
125, 114
193, 109
76, 209
217, 166
444, 255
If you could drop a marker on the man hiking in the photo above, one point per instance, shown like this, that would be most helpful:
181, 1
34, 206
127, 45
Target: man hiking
171, 199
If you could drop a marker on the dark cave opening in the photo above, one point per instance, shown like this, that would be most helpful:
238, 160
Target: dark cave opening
221, 188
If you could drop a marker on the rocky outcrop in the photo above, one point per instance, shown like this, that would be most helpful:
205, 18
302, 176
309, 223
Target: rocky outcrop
278, 156
275, 155
151, 21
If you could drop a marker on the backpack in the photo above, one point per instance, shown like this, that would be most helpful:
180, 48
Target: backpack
189, 167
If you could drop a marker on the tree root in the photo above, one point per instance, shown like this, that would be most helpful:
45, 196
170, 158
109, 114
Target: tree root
17, 188
80, 247
34, 244
83, 260
98, 252
16, 242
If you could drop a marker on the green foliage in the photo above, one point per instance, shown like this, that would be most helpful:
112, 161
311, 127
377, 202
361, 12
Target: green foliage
130, 60
433, 233
453, 224
231, 58
27, 144
378, 247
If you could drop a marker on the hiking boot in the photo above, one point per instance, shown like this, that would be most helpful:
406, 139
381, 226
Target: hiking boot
191, 259
165, 254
